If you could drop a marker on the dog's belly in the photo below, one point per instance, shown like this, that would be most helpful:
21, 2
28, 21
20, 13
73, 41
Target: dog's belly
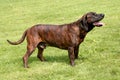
58, 45
63, 42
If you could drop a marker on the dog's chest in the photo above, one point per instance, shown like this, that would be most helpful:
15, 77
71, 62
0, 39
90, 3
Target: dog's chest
82, 35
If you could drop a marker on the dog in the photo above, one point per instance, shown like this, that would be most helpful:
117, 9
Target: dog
66, 36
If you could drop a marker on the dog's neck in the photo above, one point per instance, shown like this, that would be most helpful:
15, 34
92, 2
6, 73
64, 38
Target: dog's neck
85, 26
90, 27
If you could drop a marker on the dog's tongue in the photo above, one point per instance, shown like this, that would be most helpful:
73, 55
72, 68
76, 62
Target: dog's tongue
98, 24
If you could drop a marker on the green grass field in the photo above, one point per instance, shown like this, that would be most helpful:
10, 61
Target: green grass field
99, 56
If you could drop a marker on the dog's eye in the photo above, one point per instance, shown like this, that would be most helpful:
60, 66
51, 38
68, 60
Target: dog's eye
94, 13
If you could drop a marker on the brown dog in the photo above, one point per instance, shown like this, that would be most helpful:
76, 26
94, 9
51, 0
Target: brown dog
66, 36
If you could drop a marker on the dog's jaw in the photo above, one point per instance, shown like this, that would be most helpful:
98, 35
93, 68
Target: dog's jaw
98, 24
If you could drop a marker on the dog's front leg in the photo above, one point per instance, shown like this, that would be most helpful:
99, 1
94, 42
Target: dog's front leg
76, 51
71, 55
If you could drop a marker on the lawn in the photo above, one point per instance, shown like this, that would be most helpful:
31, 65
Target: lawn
99, 56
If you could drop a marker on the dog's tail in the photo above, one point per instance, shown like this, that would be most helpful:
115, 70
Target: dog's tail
19, 41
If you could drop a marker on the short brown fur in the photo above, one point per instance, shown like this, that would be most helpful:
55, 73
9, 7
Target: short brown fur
66, 36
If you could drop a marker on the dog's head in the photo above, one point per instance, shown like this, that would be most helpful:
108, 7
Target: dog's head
91, 20
94, 19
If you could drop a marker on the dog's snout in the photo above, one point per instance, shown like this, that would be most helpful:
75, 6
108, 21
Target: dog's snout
102, 15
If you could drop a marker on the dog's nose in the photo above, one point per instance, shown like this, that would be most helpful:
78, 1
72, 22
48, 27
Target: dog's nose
102, 15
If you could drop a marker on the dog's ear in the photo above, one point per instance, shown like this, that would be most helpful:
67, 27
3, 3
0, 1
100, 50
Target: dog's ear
83, 23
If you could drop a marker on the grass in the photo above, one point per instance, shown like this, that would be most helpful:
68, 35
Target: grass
99, 56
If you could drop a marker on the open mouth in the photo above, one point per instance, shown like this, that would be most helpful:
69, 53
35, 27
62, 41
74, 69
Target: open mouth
98, 24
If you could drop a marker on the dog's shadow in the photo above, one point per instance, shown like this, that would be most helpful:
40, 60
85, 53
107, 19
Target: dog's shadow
51, 59
59, 59
62, 59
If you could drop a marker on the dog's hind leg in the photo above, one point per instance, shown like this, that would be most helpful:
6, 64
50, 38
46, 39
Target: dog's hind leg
29, 51
31, 45
40, 53
41, 46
